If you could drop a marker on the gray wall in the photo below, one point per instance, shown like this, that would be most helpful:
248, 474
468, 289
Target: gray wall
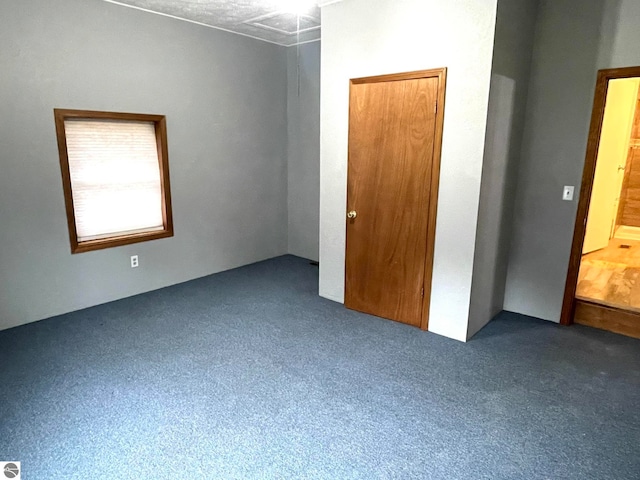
303, 116
225, 99
515, 27
572, 43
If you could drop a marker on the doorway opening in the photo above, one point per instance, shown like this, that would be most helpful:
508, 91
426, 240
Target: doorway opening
603, 282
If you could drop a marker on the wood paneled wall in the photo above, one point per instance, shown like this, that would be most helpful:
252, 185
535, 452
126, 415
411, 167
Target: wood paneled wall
629, 207
635, 132
630, 195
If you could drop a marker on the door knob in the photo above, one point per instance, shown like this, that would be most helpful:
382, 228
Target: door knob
352, 214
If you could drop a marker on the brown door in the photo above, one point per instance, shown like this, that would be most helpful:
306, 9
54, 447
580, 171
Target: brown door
393, 135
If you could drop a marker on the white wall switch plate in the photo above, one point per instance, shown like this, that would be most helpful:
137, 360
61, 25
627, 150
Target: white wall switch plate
567, 193
134, 261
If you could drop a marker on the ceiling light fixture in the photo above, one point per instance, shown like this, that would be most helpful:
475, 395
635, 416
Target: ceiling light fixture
297, 7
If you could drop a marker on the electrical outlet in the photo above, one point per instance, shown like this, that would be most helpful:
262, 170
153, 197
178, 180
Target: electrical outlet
134, 261
567, 193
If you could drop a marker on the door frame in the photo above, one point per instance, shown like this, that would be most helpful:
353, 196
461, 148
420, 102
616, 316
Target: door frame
441, 75
588, 174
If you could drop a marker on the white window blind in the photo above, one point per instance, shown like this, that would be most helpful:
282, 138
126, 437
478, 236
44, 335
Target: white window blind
115, 177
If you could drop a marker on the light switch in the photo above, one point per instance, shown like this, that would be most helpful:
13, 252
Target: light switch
567, 193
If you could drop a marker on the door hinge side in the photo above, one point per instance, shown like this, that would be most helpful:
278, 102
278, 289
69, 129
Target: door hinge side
422, 292
435, 108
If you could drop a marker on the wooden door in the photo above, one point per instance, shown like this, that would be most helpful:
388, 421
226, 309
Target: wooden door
394, 146
612, 152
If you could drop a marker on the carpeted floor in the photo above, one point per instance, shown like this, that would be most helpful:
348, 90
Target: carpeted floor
249, 374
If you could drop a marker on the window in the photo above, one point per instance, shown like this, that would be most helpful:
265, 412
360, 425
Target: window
115, 175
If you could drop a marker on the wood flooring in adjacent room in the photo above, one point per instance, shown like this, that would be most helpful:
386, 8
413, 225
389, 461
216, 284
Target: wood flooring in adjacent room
611, 276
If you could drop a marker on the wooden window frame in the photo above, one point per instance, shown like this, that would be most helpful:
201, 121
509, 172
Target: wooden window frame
159, 121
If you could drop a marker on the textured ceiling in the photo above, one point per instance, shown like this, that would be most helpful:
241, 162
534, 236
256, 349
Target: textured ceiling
266, 20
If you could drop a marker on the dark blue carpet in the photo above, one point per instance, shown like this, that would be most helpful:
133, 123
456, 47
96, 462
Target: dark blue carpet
249, 374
